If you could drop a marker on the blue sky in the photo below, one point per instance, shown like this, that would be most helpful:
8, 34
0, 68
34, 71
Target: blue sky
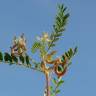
35, 16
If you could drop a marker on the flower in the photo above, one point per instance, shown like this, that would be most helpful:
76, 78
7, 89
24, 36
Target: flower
44, 38
19, 45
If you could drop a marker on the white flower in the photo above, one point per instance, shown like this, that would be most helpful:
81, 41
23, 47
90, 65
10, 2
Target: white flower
45, 37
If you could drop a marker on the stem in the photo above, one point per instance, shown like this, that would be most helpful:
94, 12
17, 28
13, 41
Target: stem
50, 45
47, 84
55, 89
24, 65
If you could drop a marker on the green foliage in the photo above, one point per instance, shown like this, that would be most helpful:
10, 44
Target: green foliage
54, 81
59, 26
7, 57
39, 46
69, 54
15, 59
1, 56
66, 57
60, 68
22, 59
11, 59
55, 89
75, 50
60, 83
36, 46
63, 58
27, 60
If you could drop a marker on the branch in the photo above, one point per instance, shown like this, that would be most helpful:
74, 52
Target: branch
20, 60
24, 65
59, 26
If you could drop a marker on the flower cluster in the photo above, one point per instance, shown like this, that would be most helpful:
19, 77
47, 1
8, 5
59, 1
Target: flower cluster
19, 45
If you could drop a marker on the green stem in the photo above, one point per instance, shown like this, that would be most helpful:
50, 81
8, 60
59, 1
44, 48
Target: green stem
24, 65
55, 89
50, 45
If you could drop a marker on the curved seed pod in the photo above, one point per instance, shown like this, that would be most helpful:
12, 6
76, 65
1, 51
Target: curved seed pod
60, 69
